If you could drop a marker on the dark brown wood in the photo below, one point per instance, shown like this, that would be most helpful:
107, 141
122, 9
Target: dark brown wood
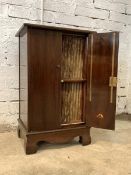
100, 111
85, 139
44, 79
55, 28
32, 139
55, 71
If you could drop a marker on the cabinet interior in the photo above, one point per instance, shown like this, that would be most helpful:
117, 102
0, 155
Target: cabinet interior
72, 78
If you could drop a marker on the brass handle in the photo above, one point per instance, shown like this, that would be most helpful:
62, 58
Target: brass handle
62, 81
100, 116
113, 80
91, 63
58, 66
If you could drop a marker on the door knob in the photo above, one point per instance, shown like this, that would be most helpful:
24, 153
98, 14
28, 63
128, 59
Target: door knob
58, 66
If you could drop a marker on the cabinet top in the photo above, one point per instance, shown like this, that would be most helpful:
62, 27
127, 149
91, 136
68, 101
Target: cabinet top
40, 26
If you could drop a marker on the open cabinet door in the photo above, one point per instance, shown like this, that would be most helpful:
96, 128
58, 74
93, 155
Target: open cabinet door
102, 79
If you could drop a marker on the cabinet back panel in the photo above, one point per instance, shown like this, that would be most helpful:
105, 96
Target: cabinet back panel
72, 56
71, 103
72, 69
44, 79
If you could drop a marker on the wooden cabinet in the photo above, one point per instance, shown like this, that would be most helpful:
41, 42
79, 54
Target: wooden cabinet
67, 83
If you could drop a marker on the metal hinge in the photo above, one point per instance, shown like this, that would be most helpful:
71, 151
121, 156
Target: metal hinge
113, 81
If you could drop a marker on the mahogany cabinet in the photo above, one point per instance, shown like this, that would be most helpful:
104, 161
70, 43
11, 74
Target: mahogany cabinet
67, 84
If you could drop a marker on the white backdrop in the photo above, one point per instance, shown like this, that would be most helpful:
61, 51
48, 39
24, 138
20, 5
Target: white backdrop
99, 15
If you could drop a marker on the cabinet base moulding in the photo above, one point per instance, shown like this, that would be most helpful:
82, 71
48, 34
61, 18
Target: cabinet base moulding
31, 139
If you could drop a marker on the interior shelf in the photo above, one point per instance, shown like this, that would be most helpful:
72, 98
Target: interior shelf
73, 80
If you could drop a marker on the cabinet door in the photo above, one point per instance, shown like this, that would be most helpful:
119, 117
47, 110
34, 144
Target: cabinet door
44, 79
102, 79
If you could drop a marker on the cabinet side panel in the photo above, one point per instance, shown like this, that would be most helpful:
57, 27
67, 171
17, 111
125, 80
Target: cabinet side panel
44, 79
23, 93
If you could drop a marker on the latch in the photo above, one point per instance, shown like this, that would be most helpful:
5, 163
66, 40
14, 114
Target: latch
100, 116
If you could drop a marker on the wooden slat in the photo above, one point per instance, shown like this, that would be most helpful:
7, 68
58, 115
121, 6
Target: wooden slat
72, 79
72, 59
71, 103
